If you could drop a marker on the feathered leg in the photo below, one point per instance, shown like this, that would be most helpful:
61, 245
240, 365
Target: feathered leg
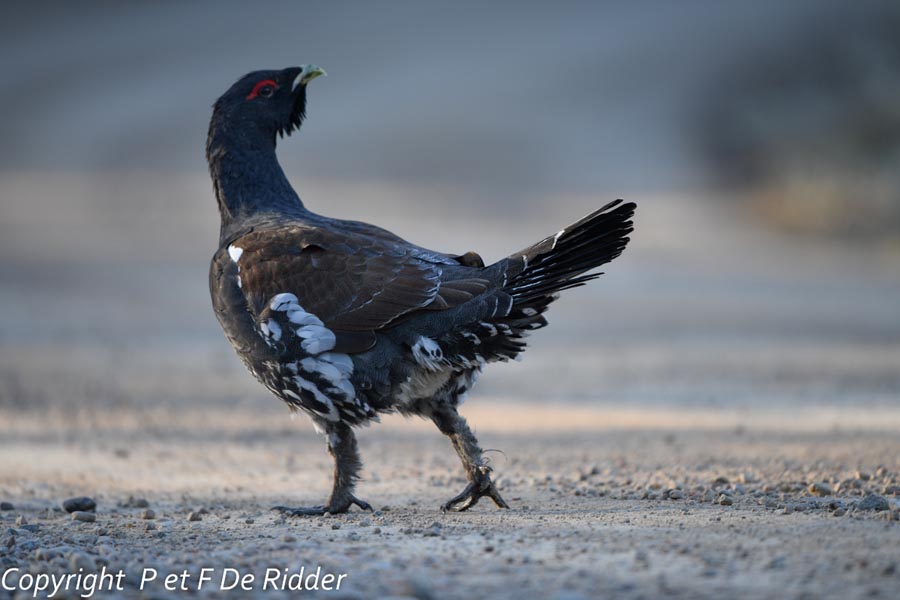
342, 446
454, 426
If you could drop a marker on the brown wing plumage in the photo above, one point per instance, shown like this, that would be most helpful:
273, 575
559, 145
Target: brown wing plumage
355, 284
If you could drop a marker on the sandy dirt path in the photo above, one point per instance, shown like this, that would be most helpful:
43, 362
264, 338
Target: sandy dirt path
601, 508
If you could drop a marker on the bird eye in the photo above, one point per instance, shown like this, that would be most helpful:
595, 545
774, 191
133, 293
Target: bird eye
265, 88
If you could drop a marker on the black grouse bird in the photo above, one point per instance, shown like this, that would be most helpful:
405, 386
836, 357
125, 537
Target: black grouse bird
343, 320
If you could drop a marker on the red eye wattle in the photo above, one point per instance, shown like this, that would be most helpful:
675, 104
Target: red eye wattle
264, 88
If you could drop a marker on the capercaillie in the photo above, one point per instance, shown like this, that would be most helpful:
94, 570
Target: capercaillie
344, 320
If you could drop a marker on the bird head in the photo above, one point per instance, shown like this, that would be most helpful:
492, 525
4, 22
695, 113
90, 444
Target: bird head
267, 102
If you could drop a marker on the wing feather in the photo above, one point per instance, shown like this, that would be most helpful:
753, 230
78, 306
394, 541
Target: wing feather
356, 284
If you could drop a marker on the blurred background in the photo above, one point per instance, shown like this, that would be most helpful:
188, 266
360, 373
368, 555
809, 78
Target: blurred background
760, 140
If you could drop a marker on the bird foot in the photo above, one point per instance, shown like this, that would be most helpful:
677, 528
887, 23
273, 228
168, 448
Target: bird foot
332, 508
478, 488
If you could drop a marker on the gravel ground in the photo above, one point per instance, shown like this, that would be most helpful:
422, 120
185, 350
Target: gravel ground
607, 510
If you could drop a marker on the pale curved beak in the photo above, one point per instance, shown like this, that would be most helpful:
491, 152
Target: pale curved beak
307, 74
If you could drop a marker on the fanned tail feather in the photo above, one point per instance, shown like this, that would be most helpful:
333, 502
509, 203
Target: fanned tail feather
559, 262
534, 277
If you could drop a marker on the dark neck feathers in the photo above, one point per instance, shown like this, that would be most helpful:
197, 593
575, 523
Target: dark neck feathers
247, 179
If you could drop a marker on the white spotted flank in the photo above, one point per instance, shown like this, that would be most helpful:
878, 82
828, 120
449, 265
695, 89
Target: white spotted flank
315, 337
428, 353
271, 329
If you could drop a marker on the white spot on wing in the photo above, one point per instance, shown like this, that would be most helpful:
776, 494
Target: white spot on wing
235, 253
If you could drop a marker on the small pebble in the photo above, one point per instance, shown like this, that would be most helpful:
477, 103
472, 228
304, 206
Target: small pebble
150, 527
863, 475
148, 513
335, 525
137, 502
80, 504
21, 520
289, 538
725, 500
839, 512
820, 489
194, 516
873, 502
84, 516
6, 506
80, 560
675, 494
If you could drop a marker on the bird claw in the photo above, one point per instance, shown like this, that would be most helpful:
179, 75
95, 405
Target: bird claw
330, 508
302, 511
477, 489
